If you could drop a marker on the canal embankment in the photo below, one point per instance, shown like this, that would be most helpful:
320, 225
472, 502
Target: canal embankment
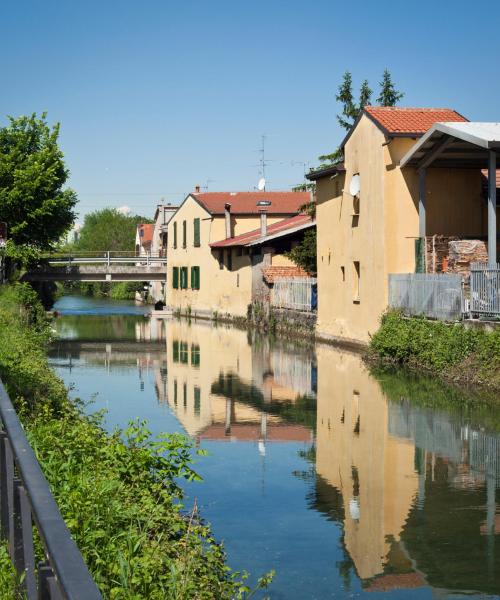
119, 492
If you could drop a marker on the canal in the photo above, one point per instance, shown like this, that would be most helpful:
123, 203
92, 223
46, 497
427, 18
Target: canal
348, 484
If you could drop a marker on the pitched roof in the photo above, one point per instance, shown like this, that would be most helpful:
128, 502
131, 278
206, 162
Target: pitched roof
245, 203
395, 120
284, 227
330, 170
145, 233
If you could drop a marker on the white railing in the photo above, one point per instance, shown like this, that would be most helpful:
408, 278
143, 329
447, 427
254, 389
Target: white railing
438, 296
485, 289
294, 293
106, 258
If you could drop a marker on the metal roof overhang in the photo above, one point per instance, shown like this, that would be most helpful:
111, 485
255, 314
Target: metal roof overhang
454, 145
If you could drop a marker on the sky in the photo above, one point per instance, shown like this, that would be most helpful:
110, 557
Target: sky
156, 97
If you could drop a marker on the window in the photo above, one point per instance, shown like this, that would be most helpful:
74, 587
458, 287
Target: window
175, 235
195, 355
196, 233
184, 234
342, 273
197, 400
175, 278
175, 392
356, 281
184, 278
229, 259
195, 278
175, 348
183, 354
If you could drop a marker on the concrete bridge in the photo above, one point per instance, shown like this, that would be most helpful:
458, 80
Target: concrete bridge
99, 266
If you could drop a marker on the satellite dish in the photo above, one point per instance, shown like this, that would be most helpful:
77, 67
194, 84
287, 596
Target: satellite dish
354, 186
262, 184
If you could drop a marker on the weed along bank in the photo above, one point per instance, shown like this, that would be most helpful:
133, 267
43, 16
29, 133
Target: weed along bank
211, 272
375, 217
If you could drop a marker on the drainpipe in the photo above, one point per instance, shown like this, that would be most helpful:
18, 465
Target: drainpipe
227, 215
263, 223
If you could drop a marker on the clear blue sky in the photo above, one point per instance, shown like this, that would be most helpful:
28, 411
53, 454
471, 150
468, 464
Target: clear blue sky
155, 97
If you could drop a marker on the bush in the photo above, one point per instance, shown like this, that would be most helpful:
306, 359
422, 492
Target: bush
453, 350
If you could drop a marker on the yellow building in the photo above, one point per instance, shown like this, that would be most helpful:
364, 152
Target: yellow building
203, 280
368, 216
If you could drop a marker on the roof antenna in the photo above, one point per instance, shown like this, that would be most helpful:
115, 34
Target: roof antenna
261, 186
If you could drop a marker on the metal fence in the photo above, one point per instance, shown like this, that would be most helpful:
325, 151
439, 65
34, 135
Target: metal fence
26, 500
485, 289
294, 293
438, 296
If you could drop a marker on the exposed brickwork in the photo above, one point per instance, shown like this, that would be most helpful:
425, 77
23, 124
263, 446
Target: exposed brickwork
270, 274
449, 254
437, 253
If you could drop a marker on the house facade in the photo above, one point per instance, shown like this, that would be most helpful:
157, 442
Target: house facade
368, 216
203, 279
159, 244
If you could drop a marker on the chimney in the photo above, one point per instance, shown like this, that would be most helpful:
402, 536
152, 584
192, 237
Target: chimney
263, 223
197, 189
227, 215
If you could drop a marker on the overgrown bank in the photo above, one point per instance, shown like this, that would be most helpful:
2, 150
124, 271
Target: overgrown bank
452, 351
117, 492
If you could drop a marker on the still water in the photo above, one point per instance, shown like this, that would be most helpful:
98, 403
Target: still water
348, 484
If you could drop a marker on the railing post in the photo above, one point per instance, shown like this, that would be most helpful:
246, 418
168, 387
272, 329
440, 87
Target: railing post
108, 258
7, 491
24, 556
148, 254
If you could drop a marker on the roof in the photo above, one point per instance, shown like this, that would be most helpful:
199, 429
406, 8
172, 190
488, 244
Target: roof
397, 121
247, 432
271, 274
276, 230
245, 203
145, 231
451, 144
326, 171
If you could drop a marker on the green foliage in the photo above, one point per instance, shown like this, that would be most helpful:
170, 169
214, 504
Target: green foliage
345, 97
34, 204
304, 254
365, 94
125, 290
108, 229
118, 493
389, 96
453, 350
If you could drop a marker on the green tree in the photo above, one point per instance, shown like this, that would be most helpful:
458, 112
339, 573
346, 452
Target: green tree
389, 96
33, 203
108, 229
365, 94
346, 99
304, 254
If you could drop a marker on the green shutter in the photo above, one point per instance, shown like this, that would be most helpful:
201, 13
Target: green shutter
184, 278
197, 400
175, 235
175, 277
184, 234
176, 351
195, 355
196, 236
197, 278
193, 279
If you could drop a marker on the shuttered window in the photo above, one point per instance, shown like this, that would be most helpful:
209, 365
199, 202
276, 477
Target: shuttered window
184, 234
175, 278
175, 235
196, 232
195, 278
184, 278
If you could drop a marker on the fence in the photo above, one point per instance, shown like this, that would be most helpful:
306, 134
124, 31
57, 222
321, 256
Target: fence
485, 289
438, 296
294, 293
26, 499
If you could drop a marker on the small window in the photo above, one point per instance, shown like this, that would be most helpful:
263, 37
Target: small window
196, 233
195, 278
175, 278
356, 281
229, 259
175, 235
184, 234
342, 273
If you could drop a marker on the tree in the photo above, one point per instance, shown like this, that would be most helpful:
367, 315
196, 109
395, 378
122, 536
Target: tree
33, 203
108, 229
304, 254
345, 97
365, 94
389, 96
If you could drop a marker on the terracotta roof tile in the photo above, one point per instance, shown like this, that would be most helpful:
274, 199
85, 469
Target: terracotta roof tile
411, 121
276, 228
271, 274
282, 203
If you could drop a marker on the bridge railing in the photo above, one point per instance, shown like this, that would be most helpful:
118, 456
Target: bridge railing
26, 500
105, 257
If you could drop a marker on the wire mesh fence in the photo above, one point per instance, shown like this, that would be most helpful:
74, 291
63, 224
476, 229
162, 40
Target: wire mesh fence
485, 289
294, 293
438, 296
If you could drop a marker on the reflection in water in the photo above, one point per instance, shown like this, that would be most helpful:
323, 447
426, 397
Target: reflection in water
373, 483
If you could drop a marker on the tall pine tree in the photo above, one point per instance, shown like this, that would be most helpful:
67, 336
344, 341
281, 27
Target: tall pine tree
389, 96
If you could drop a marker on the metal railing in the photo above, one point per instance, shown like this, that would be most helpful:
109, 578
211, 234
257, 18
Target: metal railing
295, 293
26, 500
438, 296
105, 258
485, 289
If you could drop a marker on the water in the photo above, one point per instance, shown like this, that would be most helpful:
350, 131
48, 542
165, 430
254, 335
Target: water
349, 485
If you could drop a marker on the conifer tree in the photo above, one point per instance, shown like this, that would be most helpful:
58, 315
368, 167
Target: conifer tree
345, 97
389, 96
365, 94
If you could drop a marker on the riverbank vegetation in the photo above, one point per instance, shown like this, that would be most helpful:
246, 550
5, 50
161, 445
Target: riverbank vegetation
119, 493
452, 351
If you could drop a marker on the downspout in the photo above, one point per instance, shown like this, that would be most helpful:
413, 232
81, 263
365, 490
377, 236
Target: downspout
227, 216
